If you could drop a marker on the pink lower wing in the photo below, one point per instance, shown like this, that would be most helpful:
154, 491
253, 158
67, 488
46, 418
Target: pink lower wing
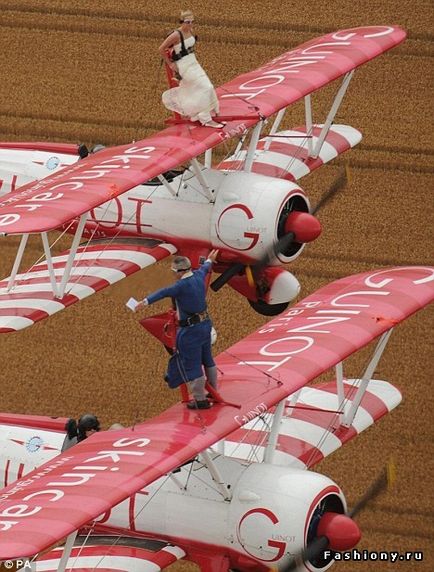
95, 267
286, 155
311, 430
112, 558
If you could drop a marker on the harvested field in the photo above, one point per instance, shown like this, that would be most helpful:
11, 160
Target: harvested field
89, 71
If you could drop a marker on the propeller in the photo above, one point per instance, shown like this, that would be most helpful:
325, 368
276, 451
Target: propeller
299, 226
339, 532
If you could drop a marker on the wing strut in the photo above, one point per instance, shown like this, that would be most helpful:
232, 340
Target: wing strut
381, 346
308, 119
330, 117
17, 262
72, 253
292, 402
274, 433
215, 474
67, 551
252, 147
208, 158
57, 288
49, 260
203, 182
274, 127
339, 368
168, 186
345, 414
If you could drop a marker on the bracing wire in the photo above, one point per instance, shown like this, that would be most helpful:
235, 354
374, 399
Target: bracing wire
259, 441
83, 544
351, 393
347, 397
106, 246
120, 536
42, 256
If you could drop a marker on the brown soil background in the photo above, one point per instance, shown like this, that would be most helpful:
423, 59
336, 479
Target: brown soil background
89, 71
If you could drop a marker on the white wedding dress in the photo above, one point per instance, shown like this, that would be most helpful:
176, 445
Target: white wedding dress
195, 97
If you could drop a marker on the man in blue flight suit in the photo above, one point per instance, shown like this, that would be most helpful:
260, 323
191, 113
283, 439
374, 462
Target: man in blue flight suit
193, 338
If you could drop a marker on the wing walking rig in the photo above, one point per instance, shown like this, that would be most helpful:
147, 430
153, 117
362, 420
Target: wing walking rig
244, 467
132, 207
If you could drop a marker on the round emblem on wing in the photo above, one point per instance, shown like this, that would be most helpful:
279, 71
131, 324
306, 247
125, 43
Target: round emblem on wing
34, 444
52, 163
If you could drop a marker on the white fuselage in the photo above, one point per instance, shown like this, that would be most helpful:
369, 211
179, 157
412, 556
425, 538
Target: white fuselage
255, 512
235, 211
265, 515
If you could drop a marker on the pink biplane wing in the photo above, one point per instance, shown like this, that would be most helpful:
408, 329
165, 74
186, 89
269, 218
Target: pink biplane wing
50, 203
113, 558
95, 267
286, 155
301, 71
257, 373
311, 429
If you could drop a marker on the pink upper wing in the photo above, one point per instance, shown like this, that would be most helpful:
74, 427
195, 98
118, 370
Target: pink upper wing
49, 203
305, 69
256, 373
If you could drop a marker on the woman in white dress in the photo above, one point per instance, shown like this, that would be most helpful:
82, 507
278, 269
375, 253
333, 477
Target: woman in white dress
195, 97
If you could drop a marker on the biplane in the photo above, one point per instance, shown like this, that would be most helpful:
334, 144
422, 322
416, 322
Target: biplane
132, 205
229, 488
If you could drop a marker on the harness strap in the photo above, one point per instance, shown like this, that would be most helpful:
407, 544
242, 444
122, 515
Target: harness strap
184, 51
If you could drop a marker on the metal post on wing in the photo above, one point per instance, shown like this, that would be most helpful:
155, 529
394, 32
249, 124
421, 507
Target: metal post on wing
217, 398
173, 81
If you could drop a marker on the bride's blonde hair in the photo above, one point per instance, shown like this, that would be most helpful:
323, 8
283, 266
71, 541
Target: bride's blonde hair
185, 14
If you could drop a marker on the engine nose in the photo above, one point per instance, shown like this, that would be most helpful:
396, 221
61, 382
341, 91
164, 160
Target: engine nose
341, 531
305, 226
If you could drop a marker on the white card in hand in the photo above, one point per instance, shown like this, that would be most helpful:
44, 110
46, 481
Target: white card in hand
132, 304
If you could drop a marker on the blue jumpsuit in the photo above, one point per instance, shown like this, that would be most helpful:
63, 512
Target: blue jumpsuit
193, 342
